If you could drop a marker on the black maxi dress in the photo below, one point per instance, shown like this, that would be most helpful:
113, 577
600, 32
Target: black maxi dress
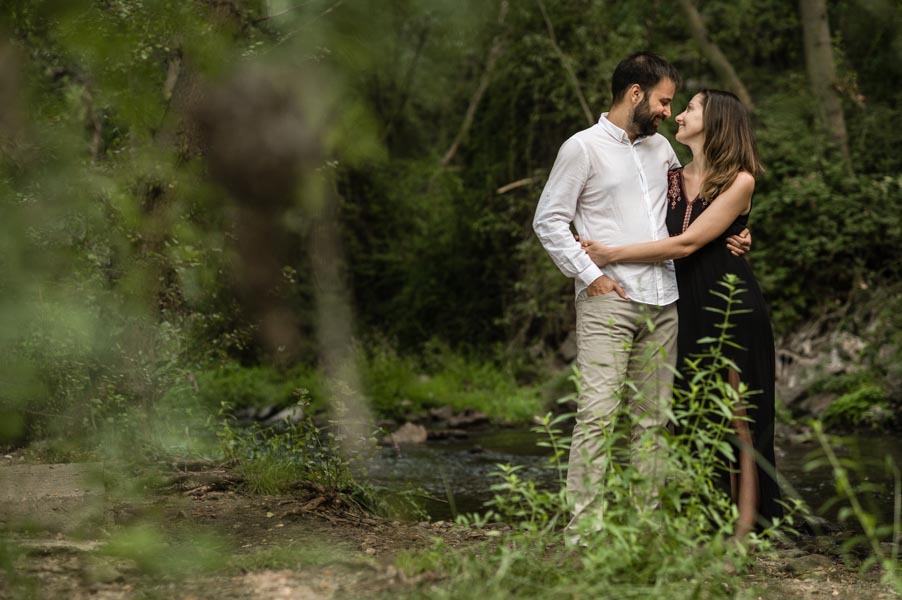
699, 274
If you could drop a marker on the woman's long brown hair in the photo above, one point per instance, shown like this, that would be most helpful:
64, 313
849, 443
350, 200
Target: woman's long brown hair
729, 142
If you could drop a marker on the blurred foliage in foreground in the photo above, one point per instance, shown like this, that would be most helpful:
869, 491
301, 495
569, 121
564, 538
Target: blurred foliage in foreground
167, 165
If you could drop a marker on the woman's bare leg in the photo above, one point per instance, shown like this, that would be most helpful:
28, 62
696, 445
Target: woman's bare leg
747, 499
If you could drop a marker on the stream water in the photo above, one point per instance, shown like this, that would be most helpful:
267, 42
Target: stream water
457, 475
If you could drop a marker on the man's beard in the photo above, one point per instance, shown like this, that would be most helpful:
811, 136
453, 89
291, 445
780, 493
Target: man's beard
644, 123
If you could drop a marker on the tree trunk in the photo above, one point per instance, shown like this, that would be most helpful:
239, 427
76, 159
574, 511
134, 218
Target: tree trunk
334, 320
713, 54
822, 71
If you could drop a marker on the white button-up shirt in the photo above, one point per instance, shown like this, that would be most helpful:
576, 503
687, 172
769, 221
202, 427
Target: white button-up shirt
613, 191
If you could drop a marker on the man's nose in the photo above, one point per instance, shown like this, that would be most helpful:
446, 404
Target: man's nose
666, 112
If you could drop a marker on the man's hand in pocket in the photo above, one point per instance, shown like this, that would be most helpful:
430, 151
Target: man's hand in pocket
605, 285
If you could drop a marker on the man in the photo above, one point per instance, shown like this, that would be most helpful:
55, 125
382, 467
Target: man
610, 181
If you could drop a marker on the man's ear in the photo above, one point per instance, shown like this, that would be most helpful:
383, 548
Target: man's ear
635, 93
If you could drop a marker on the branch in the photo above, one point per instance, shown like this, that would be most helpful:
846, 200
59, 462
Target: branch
46, 414
712, 52
173, 71
93, 124
280, 13
514, 185
291, 34
494, 52
574, 81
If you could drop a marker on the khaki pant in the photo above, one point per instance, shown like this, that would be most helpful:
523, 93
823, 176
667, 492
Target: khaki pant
626, 355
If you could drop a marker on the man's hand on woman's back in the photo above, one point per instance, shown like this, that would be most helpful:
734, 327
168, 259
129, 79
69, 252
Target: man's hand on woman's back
740, 244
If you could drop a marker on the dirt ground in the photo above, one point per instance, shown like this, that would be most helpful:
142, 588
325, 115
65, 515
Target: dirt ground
356, 552
302, 546
295, 546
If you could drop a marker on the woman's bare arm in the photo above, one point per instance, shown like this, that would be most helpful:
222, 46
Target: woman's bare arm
712, 223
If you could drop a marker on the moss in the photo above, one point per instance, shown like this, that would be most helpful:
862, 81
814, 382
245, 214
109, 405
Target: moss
857, 408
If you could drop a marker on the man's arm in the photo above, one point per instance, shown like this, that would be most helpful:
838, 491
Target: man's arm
556, 209
740, 244
555, 212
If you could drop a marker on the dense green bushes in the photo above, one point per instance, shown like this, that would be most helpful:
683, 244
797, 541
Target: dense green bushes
840, 233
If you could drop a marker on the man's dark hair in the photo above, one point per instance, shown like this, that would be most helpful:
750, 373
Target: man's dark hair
643, 68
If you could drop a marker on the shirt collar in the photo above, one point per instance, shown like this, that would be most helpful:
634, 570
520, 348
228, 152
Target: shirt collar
615, 132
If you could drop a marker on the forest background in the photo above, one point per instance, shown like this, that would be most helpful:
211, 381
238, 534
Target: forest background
217, 204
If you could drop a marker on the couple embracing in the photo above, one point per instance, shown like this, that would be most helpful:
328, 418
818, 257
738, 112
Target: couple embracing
657, 237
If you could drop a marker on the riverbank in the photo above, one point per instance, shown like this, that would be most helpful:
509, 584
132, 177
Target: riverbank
198, 536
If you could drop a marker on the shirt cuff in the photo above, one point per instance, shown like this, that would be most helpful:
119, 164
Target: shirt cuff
590, 274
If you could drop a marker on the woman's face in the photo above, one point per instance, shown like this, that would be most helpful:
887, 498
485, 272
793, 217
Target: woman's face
690, 122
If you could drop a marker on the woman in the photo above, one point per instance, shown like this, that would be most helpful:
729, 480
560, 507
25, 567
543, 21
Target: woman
708, 200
